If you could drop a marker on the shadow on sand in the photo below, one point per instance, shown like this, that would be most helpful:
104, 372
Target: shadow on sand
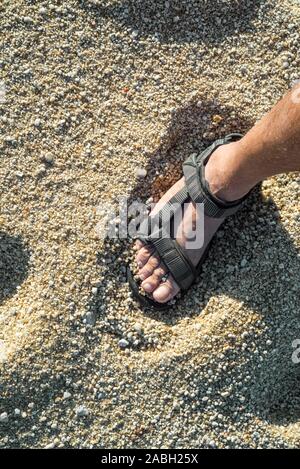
14, 264
180, 21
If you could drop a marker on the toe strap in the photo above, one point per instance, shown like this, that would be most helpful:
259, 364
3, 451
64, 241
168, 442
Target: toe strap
155, 232
175, 260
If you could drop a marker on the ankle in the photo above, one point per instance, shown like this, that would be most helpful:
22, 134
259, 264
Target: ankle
225, 175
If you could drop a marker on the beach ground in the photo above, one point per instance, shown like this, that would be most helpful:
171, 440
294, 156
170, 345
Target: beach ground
102, 99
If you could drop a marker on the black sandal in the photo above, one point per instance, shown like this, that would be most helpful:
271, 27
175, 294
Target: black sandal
171, 254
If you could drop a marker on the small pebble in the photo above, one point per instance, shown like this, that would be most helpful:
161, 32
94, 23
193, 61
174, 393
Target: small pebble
141, 173
81, 411
90, 318
50, 446
123, 343
4, 417
48, 158
138, 328
27, 19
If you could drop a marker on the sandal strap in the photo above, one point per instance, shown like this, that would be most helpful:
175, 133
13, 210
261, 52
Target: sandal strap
198, 188
153, 225
153, 230
176, 261
169, 251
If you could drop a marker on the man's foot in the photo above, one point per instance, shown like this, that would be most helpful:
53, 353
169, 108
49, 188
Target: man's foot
218, 172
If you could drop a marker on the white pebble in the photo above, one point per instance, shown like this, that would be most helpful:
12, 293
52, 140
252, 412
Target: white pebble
212, 444
141, 172
48, 158
138, 328
123, 343
9, 139
3, 417
27, 19
50, 446
81, 411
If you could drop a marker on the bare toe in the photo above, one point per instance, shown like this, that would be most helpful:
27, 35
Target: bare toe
166, 290
148, 268
152, 282
143, 255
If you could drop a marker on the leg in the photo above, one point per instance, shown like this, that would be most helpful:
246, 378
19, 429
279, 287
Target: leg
271, 147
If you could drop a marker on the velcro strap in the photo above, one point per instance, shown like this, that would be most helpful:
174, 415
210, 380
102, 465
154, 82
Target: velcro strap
198, 188
175, 260
156, 232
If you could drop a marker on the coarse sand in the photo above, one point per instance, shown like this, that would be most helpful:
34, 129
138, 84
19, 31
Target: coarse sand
102, 99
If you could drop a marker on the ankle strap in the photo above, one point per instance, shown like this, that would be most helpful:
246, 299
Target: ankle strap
198, 187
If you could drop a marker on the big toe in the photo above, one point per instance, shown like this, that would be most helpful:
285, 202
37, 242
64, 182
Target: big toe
166, 290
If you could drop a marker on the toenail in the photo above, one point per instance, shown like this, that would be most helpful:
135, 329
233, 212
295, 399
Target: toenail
163, 290
142, 276
140, 264
147, 287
